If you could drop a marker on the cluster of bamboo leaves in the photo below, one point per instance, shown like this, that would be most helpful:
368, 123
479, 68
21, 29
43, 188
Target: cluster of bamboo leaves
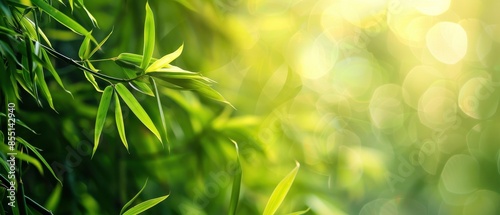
26, 54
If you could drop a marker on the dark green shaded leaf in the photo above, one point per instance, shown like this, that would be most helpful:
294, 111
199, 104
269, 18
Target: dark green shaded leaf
40, 157
40, 79
62, 18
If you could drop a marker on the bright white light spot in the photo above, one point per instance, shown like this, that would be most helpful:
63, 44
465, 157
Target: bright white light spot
432, 7
447, 42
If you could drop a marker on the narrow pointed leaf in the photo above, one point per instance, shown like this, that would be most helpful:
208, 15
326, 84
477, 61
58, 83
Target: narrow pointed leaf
84, 50
102, 111
165, 60
163, 130
143, 206
280, 192
91, 17
135, 197
98, 47
235, 192
90, 77
299, 212
40, 79
149, 37
40, 157
137, 109
62, 18
22, 156
53, 71
119, 122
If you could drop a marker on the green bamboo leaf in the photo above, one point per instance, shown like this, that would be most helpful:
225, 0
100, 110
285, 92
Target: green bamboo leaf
98, 47
235, 192
119, 122
52, 70
40, 80
91, 17
165, 60
138, 85
90, 77
163, 130
84, 50
22, 156
299, 212
149, 37
62, 18
102, 111
40, 157
143, 206
29, 52
135, 197
54, 198
137, 109
280, 192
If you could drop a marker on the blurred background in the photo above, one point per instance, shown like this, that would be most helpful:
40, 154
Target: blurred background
390, 106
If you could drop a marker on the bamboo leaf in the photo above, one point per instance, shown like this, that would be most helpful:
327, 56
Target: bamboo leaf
102, 111
135, 197
165, 60
91, 17
40, 157
40, 79
98, 47
84, 50
149, 37
280, 192
137, 109
53, 71
235, 192
119, 122
62, 18
90, 77
163, 130
22, 156
300, 212
143, 206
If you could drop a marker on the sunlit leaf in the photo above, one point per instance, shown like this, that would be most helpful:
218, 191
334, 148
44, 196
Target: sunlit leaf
149, 37
90, 77
135, 197
235, 192
119, 122
137, 109
40, 157
84, 50
163, 130
299, 212
280, 192
102, 111
165, 60
143, 206
98, 47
